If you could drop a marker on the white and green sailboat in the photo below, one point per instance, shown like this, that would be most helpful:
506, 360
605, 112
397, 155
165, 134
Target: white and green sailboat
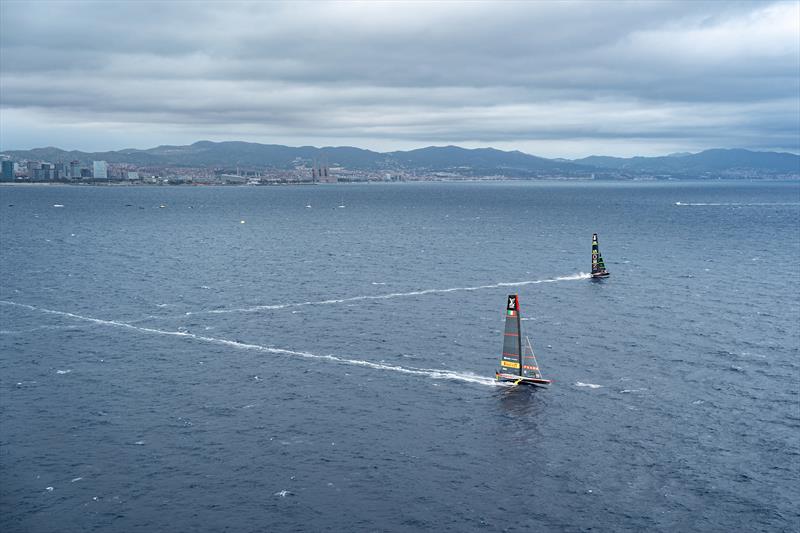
598, 266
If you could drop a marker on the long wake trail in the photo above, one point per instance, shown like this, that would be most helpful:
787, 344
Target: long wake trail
255, 308
424, 372
737, 204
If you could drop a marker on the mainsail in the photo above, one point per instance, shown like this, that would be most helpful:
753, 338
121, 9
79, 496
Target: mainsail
518, 363
598, 266
511, 362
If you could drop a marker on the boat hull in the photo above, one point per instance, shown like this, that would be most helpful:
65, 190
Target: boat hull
601, 275
519, 380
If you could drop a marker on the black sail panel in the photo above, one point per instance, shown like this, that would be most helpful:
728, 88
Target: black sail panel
597, 260
510, 360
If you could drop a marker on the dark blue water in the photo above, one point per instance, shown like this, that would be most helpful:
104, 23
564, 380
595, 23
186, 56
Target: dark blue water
163, 369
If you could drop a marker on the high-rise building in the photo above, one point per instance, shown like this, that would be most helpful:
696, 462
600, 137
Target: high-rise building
320, 173
8, 171
74, 169
60, 171
33, 168
45, 172
99, 170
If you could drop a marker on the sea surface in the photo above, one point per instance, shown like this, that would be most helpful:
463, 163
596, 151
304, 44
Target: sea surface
322, 358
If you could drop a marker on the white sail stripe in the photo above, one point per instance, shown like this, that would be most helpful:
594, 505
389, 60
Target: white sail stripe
422, 292
426, 372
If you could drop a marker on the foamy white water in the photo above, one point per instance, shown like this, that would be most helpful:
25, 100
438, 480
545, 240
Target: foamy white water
422, 292
588, 385
425, 372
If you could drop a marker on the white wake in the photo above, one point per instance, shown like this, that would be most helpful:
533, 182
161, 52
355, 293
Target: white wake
425, 372
578, 276
735, 204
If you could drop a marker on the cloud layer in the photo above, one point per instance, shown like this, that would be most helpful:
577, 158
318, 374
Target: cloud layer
555, 79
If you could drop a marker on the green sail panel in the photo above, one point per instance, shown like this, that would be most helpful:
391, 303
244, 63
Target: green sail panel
510, 359
598, 266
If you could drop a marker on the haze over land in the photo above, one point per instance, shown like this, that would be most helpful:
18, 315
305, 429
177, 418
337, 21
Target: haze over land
552, 79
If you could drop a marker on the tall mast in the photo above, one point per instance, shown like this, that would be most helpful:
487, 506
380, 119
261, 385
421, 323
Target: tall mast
519, 338
511, 358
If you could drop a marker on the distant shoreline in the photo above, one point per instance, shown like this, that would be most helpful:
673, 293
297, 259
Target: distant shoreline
460, 180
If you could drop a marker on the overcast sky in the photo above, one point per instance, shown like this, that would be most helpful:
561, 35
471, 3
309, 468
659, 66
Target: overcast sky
557, 79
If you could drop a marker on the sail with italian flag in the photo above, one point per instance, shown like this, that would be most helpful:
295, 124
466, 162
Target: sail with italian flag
517, 362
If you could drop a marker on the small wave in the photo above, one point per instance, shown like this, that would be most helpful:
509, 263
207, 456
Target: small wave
422, 292
589, 385
23, 331
63, 371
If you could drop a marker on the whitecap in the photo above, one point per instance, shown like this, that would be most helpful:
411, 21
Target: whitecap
589, 385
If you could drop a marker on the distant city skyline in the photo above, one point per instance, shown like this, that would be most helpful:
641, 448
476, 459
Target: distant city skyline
550, 79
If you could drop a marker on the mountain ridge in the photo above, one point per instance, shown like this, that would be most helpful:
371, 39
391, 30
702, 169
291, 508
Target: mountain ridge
431, 159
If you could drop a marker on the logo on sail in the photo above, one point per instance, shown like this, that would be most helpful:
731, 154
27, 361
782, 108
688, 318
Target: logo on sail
511, 308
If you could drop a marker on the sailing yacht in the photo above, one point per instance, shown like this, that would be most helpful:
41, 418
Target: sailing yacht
518, 363
598, 266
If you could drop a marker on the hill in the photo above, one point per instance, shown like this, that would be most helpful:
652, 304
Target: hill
436, 159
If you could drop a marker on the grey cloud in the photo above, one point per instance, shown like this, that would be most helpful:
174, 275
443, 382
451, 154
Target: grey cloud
448, 72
